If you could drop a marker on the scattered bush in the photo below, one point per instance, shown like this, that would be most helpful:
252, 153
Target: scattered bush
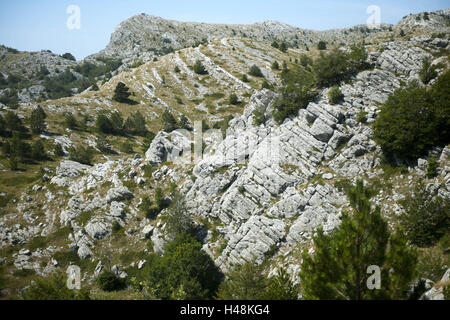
70, 121
432, 167
69, 56
169, 122
255, 71
414, 119
54, 288
199, 68
428, 72
109, 282
426, 218
322, 45
335, 95
82, 154
126, 147
185, 272
121, 94
275, 65
297, 92
234, 100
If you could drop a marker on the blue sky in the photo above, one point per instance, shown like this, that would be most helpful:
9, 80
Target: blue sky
33, 25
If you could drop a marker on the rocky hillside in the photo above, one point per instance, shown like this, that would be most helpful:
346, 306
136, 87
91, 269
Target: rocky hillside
260, 193
143, 36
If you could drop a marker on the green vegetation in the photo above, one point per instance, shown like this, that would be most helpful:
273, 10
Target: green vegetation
69, 56
332, 68
338, 269
199, 68
414, 119
255, 71
234, 100
121, 94
335, 95
426, 218
322, 45
109, 282
296, 93
248, 282
37, 120
432, 167
185, 272
54, 288
428, 72
82, 154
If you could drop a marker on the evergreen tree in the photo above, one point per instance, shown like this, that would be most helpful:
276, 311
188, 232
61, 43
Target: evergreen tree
121, 93
338, 269
275, 45
234, 100
70, 121
322, 45
199, 68
281, 287
117, 122
256, 72
13, 122
426, 217
68, 56
103, 124
245, 282
38, 150
169, 122
275, 65
284, 47
37, 120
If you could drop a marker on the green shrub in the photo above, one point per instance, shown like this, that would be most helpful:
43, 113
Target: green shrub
244, 282
255, 71
335, 95
275, 65
199, 68
122, 94
322, 45
234, 100
82, 154
109, 282
428, 72
70, 121
38, 151
126, 147
245, 78
68, 56
169, 122
361, 117
296, 93
426, 218
24, 273
414, 119
432, 167
54, 288
184, 272
37, 120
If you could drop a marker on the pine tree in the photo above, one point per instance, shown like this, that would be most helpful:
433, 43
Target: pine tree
322, 45
38, 150
121, 93
338, 269
199, 68
169, 122
37, 120
245, 282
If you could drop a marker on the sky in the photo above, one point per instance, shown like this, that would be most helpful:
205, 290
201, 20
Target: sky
34, 25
